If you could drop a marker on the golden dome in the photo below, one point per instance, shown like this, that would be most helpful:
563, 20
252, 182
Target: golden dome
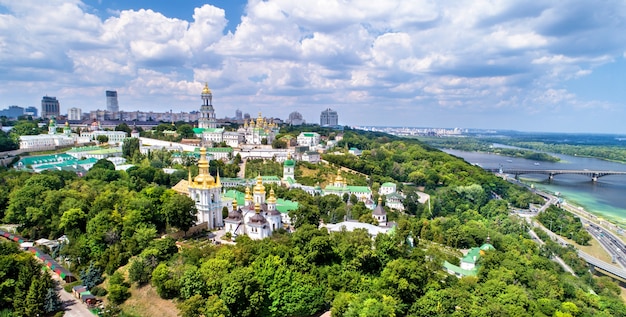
248, 196
206, 90
235, 205
339, 179
203, 178
259, 188
67, 123
272, 198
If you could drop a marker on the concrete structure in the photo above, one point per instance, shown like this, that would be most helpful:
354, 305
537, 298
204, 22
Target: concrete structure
329, 118
13, 112
74, 114
594, 175
112, 104
50, 107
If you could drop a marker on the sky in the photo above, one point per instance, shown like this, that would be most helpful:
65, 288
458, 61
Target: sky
553, 66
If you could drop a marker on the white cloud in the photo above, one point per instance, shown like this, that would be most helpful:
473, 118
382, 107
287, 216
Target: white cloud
472, 56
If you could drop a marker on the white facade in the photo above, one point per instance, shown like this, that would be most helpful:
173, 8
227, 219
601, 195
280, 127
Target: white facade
311, 157
310, 139
74, 114
115, 137
233, 139
329, 117
206, 192
258, 218
387, 188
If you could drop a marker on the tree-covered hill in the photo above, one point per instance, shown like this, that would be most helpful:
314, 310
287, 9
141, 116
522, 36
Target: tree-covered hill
114, 218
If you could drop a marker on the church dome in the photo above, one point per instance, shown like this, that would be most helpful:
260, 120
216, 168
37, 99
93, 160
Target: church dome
289, 161
206, 90
259, 188
257, 218
272, 198
203, 170
339, 179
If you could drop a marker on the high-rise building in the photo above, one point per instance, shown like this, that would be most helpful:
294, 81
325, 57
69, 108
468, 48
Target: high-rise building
207, 113
295, 118
329, 117
50, 107
74, 113
112, 105
13, 112
238, 115
30, 111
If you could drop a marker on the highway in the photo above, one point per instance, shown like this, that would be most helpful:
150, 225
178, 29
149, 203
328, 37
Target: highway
610, 243
614, 246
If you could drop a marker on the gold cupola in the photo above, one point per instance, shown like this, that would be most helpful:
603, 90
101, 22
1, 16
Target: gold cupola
206, 90
204, 179
259, 188
272, 198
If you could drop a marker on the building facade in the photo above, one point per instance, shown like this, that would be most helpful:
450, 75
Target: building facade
74, 114
206, 190
112, 104
207, 113
50, 107
258, 218
328, 118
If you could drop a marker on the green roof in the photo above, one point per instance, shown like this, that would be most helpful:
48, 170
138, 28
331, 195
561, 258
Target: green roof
458, 270
388, 184
472, 256
289, 163
282, 205
210, 130
83, 149
42, 159
359, 189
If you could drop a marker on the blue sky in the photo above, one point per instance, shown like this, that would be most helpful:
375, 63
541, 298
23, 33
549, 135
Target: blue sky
521, 65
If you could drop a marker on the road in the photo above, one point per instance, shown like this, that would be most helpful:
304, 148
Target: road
73, 307
611, 244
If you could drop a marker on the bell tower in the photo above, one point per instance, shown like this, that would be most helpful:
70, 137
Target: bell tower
207, 113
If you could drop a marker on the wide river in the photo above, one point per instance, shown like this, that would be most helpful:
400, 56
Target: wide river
606, 198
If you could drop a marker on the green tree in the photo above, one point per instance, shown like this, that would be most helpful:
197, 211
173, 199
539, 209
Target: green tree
130, 148
91, 276
180, 211
192, 306
102, 138
123, 127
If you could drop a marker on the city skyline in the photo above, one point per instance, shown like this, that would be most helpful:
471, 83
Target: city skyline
550, 66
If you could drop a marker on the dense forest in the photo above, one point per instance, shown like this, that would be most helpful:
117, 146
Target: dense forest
115, 221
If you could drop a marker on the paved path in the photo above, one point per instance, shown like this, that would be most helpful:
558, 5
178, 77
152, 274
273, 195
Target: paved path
73, 307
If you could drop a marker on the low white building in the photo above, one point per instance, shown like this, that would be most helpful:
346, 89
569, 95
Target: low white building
115, 137
387, 188
310, 139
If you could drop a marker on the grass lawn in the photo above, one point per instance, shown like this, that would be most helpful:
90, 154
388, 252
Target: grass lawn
146, 302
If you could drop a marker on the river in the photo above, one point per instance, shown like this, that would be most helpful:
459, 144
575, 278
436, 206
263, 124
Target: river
605, 198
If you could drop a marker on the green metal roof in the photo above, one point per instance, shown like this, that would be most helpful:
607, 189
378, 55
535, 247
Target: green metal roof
84, 149
32, 160
458, 270
289, 163
388, 184
282, 205
359, 189
209, 130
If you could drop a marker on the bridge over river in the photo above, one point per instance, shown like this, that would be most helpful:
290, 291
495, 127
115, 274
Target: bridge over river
594, 175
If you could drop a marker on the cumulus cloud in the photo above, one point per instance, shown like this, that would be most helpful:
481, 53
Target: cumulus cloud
470, 56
